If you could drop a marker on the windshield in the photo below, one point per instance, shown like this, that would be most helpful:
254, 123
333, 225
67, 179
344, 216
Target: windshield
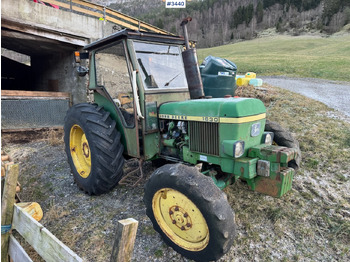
161, 65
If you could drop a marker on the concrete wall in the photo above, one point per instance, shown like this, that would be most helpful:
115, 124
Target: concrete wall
57, 72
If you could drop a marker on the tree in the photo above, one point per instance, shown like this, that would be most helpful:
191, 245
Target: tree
259, 12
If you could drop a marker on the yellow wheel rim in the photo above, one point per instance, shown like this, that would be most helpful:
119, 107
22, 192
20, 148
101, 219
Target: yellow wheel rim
80, 151
180, 219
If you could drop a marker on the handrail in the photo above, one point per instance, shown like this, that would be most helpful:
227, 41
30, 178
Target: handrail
100, 11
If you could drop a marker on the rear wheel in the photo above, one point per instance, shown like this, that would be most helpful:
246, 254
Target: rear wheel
283, 137
93, 148
190, 212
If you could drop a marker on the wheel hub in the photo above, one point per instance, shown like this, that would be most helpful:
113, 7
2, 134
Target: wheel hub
80, 151
180, 219
86, 149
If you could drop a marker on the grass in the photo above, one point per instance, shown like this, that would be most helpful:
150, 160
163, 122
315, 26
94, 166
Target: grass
314, 216
302, 56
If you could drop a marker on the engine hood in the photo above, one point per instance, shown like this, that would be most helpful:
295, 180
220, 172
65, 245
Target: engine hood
226, 110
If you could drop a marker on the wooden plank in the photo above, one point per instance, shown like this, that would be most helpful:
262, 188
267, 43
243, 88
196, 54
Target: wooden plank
60, 4
85, 11
88, 4
121, 23
75, 8
19, 93
49, 247
16, 251
7, 202
136, 22
124, 240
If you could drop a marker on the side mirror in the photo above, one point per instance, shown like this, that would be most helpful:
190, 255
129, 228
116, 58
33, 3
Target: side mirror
82, 71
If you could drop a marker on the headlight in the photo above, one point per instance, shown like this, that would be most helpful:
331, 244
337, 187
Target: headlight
267, 138
238, 149
233, 148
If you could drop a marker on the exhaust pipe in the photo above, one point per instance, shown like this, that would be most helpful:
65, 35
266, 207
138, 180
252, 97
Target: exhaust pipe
189, 57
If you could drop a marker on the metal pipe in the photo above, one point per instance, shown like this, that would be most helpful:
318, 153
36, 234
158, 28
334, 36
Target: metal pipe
184, 27
189, 57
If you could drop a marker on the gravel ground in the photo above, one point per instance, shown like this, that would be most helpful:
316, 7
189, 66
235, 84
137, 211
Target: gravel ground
334, 94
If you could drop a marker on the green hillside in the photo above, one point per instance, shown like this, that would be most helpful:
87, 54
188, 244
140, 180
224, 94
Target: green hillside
304, 56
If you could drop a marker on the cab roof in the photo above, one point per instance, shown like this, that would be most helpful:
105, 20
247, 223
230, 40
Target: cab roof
132, 34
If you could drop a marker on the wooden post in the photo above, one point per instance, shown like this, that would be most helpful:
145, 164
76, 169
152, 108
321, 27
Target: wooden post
124, 240
8, 200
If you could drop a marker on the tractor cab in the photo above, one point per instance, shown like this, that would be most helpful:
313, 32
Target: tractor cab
132, 74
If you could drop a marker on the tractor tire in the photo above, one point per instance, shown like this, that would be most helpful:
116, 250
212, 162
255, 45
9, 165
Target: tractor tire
190, 212
283, 137
93, 148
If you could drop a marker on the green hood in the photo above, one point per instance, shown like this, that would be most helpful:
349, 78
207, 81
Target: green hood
216, 109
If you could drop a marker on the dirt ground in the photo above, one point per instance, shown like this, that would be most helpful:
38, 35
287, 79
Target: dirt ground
310, 223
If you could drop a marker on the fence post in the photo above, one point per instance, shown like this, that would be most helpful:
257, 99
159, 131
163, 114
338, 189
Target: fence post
8, 200
124, 240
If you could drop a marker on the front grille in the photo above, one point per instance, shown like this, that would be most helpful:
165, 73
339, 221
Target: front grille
204, 137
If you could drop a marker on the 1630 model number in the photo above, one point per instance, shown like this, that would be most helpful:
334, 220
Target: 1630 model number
210, 119
175, 4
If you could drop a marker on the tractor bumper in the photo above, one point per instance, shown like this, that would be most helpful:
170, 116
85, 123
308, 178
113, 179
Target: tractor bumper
273, 176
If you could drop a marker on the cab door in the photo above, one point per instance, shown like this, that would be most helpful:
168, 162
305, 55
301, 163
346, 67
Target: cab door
113, 83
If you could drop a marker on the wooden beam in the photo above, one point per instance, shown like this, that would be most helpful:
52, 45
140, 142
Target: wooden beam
121, 23
124, 240
88, 4
136, 22
49, 247
19, 93
17, 253
7, 202
75, 8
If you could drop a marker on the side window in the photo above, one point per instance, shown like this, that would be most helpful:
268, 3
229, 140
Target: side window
112, 73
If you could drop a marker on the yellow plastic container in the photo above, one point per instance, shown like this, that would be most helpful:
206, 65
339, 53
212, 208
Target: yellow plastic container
239, 76
33, 209
243, 81
250, 75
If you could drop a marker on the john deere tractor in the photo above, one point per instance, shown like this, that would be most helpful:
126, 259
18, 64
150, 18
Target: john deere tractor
149, 104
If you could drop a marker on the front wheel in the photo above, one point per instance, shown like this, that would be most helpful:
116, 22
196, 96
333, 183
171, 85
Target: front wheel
283, 137
190, 212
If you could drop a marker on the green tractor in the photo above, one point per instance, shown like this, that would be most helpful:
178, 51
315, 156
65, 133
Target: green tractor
148, 103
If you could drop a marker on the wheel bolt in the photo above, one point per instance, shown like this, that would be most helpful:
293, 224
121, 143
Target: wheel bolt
174, 222
185, 215
188, 225
176, 208
182, 228
171, 212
